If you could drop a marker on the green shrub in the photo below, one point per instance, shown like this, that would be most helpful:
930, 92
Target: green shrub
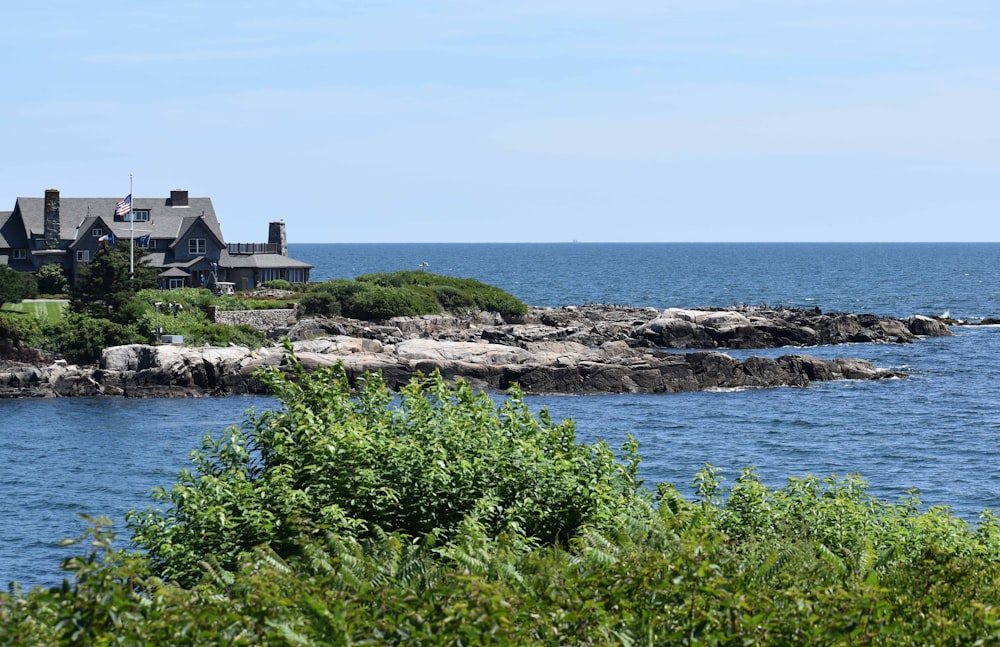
30, 286
377, 303
278, 284
407, 293
22, 328
478, 294
319, 304
52, 280
453, 299
341, 289
16, 286
81, 338
359, 466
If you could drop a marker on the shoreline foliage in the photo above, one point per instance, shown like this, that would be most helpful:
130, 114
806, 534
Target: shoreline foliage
408, 293
441, 517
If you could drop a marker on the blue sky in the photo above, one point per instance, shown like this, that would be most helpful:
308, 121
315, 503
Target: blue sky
520, 121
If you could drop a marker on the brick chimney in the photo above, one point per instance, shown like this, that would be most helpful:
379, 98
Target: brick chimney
178, 198
276, 236
52, 232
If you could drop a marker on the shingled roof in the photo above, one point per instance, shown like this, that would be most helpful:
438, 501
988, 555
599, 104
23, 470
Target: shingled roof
165, 220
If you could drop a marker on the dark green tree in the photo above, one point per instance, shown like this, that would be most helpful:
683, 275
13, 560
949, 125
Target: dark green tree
13, 286
52, 280
105, 286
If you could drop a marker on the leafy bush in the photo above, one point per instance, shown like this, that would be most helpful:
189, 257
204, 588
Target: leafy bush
30, 286
16, 286
319, 304
407, 293
376, 303
24, 329
278, 284
362, 466
476, 294
81, 338
52, 280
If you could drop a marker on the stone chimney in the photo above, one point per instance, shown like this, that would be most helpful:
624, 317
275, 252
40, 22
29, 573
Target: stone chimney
52, 232
178, 198
276, 236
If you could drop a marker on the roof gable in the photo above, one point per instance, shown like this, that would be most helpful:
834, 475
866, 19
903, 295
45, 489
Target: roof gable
83, 232
190, 225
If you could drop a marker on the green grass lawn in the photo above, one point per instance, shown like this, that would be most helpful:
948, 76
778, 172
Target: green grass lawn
51, 310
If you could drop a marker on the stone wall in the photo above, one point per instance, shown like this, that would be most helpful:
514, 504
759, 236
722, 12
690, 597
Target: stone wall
263, 320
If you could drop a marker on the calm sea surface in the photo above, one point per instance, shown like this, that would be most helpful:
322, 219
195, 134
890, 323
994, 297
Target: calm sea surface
936, 432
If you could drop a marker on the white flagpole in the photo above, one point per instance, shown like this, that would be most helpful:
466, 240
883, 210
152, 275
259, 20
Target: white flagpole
131, 220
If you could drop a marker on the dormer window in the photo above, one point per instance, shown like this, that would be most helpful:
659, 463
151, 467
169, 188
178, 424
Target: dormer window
140, 215
196, 246
96, 232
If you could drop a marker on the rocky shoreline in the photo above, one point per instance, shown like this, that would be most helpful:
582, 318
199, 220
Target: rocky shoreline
573, 349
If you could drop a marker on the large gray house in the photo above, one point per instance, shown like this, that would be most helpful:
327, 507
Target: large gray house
181, 235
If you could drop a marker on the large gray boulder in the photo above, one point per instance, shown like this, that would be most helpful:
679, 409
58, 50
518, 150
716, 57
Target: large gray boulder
927, 326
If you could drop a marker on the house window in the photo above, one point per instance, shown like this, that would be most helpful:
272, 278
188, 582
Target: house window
296, 276
96, 232
20, 254
175, 283
140, 215
196, 246
83, 255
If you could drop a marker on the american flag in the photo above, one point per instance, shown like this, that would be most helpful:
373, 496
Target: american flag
124, 206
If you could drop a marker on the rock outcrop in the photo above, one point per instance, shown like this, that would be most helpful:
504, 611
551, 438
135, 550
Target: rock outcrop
544, 367
585, 349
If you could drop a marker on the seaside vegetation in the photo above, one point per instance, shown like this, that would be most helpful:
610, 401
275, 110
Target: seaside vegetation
443, 517
408, 293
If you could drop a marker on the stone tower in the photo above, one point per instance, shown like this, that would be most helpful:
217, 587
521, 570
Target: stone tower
276, 237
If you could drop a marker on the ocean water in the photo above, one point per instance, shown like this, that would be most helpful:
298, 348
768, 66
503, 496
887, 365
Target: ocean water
936, 431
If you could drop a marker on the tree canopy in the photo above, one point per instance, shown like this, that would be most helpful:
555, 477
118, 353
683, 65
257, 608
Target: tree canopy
106, 286
16, 286
52, 279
